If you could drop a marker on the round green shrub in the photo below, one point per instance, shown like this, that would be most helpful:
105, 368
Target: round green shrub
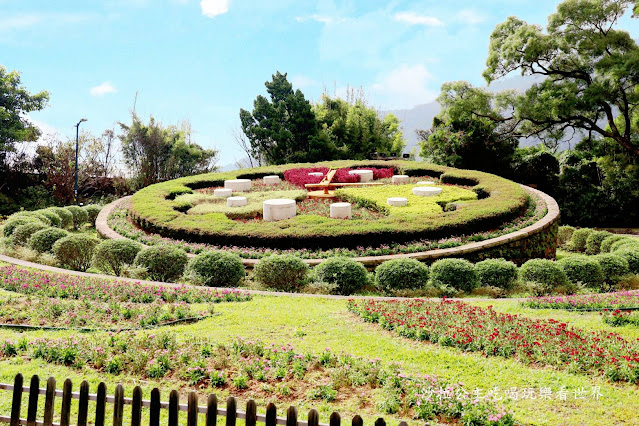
457, 273
607, 243
281, 272
594, 240
80, 216
579, 238
22, 233
499, 273
93, 210
113, 255
53, 218
216, 269
34, 214
401, 274
75, 251
582, 269
347, 275
544, 272
613, 266
13, 222
162, 262
631, 254
42, 241
564, 234
624, 243
65, 216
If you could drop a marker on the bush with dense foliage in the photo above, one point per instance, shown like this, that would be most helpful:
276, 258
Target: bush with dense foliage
499, 273
23, 233
111, 256
345, 275
564, 235
459, 274
52, 216
75, 251
401, 274
582, 269
607, 242
93, 210
594, 240
543, 272
66, 217
579, 238
216, 269
36, 214
624, 243
80, 216
13, 222
162, 262
42, 241
281, 272
613, 266
631, 254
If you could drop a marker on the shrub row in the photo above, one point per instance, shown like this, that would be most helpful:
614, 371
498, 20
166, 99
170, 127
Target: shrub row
591, 241
58, 217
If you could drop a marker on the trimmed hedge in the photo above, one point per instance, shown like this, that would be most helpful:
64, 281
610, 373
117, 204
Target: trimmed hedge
216, 269
401, 274
579, 238
281, 272
565, 234
23, 233
624, 243
459, 274
80, 216
42, 241
65, 216
13, 222
594, 240
162, 262
613, 266
75, 251
632, 257
346, 275
36, 214
111, 256
93, 210
544, 272
498, 273
152, 209
52, 216
582, 269
607, 243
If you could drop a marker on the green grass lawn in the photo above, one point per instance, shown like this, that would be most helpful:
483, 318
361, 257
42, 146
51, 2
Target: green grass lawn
314, 324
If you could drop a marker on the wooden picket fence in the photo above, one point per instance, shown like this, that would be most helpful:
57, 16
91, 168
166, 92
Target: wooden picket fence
155, 405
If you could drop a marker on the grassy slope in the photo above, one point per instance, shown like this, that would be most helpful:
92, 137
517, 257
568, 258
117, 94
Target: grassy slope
313, 324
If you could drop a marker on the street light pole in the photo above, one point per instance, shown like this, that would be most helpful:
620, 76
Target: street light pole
77, 145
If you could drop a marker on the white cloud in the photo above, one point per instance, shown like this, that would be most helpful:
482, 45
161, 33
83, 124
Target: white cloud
212, 8
404, 87
102, 89
414, 19
470, 16
301, 81
323, 19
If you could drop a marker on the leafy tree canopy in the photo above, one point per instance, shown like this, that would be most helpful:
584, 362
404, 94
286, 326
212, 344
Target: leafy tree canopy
591, 71
15, 102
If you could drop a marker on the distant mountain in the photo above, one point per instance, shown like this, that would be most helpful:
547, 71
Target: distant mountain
421, 116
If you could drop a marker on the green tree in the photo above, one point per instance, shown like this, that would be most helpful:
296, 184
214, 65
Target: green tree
353, 130
590, 71
283, 129
15, 102
157, 153
462, 138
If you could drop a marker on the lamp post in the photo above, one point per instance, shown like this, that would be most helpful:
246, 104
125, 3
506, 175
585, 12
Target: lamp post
77, 144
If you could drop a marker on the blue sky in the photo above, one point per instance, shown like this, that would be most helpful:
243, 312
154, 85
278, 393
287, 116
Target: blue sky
204, 60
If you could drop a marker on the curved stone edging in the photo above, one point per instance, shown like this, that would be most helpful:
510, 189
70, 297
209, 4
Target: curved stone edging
544, 223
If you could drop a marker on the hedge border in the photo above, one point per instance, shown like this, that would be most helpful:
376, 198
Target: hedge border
152, 213
536, 240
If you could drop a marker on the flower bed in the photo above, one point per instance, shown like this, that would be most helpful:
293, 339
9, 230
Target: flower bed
64, 286
475, 329
264, 370
46, 312
595, 301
